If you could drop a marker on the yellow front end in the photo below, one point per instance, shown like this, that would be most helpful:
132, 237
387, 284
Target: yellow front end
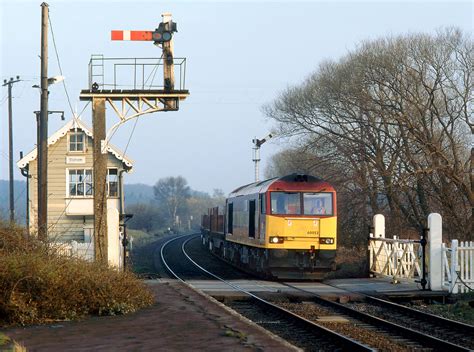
301, 232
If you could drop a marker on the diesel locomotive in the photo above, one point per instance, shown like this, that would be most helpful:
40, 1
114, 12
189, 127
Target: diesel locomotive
280, 228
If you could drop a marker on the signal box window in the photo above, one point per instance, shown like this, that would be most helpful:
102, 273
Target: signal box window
317, 203
76, 141
80, 183
286, 203
112, 182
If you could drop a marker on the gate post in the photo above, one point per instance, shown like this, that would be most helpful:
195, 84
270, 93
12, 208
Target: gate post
379, 226
378, 223
453, 287
435, 240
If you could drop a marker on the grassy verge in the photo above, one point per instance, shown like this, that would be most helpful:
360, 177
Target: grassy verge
461, 309
39, 286
143, 252
141, 238
350, 262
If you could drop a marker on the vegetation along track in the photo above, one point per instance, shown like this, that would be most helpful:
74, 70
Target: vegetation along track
293, 328
419, 328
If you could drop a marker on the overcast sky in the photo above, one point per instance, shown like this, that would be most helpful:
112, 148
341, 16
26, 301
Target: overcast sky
240, 55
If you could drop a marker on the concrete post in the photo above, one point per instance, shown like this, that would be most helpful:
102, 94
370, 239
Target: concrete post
379, 226
435, 240
113, 234
379, 232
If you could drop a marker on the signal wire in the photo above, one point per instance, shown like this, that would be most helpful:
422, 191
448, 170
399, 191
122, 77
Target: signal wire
60, 68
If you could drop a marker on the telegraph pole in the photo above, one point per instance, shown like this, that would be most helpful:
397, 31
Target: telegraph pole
43, 131
100, 180
10, 144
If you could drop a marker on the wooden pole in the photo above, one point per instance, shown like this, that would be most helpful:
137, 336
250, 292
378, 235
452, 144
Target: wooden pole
168, 63
100, 180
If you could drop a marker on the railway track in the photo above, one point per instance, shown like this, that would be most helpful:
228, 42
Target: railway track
434, 332
446, 329
293, 328
406, 327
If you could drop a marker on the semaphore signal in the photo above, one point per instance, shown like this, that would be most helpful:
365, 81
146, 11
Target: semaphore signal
162, 34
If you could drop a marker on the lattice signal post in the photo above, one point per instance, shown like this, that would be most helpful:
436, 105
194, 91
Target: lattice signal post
138, 101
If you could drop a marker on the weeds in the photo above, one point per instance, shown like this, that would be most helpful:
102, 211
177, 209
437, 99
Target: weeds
37, 285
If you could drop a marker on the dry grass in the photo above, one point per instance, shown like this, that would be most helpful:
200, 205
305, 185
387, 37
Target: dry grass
38, 286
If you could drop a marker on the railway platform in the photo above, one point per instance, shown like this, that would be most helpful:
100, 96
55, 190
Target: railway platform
182, 319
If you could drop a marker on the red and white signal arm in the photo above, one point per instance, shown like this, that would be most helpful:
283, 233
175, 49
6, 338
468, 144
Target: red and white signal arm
132, 35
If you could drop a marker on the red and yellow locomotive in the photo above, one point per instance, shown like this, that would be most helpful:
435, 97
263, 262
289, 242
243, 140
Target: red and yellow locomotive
283, 228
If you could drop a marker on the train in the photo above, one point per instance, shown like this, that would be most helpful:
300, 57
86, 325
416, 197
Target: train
282, 228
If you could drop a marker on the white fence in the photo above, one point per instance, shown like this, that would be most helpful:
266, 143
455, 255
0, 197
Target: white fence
75, 249
458, 267
85, 250
448, 268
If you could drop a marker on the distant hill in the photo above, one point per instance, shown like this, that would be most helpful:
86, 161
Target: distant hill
138, 193
19, 188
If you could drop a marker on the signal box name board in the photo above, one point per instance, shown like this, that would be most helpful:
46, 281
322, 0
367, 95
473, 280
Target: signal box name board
75, 160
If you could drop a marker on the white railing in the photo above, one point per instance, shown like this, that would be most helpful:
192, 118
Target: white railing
458, 267
85, 250
75, 249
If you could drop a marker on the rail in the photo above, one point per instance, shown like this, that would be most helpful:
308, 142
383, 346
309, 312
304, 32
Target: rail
428, 340
339, 340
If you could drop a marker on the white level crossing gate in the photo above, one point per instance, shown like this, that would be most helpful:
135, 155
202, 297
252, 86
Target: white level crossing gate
398, 259
438, 265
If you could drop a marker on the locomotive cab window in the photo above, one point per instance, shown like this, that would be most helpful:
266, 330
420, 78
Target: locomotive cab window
286, 203
317, 203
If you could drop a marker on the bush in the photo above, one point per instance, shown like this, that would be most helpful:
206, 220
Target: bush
37, 285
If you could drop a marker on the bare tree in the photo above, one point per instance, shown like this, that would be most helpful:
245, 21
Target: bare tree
172, 192
396, 113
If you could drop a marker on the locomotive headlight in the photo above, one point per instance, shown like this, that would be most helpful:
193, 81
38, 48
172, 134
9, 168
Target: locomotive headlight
276, 239
326, 240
